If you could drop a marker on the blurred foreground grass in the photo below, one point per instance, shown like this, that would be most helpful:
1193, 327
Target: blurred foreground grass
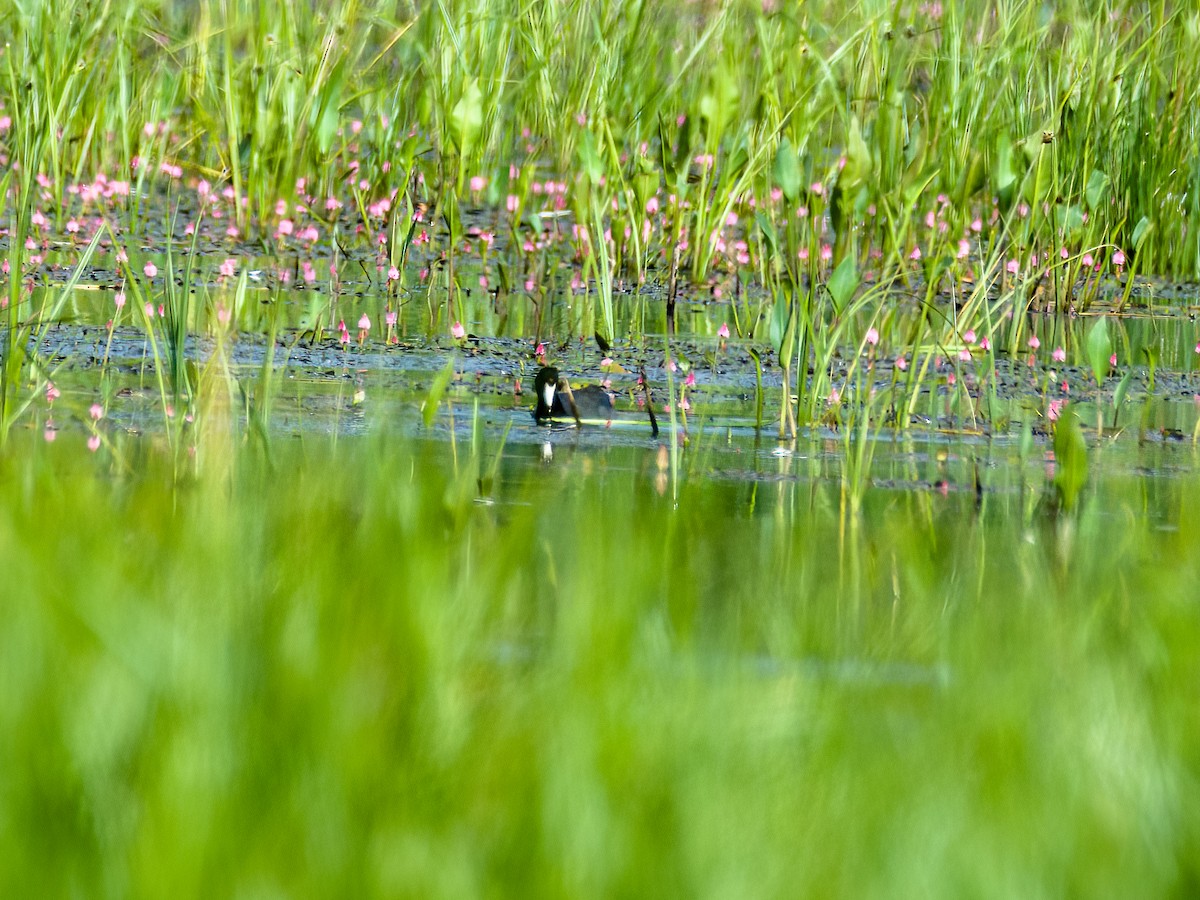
343, 677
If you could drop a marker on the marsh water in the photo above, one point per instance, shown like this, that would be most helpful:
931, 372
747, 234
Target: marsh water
985, 430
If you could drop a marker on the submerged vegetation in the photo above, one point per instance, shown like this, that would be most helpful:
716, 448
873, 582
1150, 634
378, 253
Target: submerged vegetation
324, 611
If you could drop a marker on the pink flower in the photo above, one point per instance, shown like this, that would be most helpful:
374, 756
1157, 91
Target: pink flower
96, 411
723, 331
478, 183
1118, 258
364, 323
901, 363
458, 331
915, 254
1112, 360
1013, 267
1059, 355
93, 443
393, 274
969, 336
872, 336
1034, 343
985, 344
150, 269
119, 299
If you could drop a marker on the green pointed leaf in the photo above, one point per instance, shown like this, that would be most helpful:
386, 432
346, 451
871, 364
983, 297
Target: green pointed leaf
466, 119
974, 178
857, 170
787, 170
453, 216
1122, 389
1004, 171
1141, 231
781, 328
441, 381
1099, 348
843, 283
1039, 182
1097, 189
329, 110
1070, 459
590, 160
719, 104
768, 231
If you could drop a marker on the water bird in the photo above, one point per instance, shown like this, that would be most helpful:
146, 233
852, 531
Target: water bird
556, 399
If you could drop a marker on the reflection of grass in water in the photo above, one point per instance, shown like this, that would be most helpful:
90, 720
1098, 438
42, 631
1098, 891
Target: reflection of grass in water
343, 676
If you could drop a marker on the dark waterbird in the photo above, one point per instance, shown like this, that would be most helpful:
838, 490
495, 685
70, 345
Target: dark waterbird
556, 399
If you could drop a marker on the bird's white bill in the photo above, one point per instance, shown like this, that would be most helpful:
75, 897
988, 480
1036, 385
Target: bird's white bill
548, 394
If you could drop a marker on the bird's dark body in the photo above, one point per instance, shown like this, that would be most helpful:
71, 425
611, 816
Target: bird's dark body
553, 401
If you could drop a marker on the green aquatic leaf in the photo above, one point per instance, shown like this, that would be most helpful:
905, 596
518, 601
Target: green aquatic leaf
1099, 349
859, 162
1141, 231
843, 283
781, 327
1004, 171
1097, 189
590, 160
1039, 181
1070, 459
1122, 389
719, 105
973, 179
328, 112
466, 119
1119, 394
437, 390
787, 170
768, 230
